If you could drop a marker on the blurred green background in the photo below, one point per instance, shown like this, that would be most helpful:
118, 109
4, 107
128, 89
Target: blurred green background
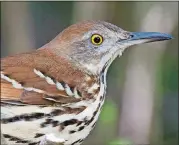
142, 95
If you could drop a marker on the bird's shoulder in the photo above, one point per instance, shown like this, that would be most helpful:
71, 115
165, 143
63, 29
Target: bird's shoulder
40, 77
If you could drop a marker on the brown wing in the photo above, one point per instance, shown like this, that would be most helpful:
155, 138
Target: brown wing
40, 77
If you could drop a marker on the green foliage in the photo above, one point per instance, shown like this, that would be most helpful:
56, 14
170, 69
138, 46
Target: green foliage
170, 70
120, 142
109, 113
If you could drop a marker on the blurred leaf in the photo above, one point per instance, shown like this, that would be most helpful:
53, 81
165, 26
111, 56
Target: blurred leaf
109, 113
120, 142
170, 70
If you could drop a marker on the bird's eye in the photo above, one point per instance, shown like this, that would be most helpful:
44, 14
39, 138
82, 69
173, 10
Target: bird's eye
96, 39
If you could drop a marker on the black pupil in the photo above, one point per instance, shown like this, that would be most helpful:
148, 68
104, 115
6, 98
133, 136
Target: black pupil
97, 39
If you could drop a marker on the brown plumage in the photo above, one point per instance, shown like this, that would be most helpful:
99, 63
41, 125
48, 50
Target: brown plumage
21, 68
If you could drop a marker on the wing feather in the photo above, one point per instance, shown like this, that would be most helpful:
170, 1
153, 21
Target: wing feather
31, 76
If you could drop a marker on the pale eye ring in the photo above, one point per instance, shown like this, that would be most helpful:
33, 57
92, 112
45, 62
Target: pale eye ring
96, 39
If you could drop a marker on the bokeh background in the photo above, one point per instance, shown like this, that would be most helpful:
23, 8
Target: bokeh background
142, 95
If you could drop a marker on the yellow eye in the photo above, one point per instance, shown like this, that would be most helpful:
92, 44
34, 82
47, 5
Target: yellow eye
96, 39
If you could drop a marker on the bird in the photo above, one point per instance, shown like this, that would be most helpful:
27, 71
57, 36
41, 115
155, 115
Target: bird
57, 92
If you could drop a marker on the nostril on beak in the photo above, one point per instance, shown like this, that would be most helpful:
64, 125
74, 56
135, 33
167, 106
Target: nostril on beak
131, 36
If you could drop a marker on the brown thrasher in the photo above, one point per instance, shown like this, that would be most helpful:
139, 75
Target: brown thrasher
57, 91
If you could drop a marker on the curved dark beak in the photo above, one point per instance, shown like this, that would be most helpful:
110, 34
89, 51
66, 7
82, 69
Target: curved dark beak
149, 36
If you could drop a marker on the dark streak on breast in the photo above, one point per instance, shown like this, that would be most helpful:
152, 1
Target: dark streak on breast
72, 131
34, 143
76, 142
49, 121
15, 139
69, 122
25, 117
94, 114
81, 128
38, 115
93, 125
55, 112
79, 123
37, 135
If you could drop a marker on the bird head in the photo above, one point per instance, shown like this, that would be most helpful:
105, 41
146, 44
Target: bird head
93, 45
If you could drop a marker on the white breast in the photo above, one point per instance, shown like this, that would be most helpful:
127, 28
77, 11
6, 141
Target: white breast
27, 130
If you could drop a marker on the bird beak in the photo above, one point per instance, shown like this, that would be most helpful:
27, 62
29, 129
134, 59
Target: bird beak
145, 37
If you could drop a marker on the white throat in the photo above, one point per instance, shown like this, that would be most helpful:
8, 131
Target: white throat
105, 61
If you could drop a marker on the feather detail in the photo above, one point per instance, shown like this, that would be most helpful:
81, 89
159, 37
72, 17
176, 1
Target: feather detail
8, 91
38, 78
